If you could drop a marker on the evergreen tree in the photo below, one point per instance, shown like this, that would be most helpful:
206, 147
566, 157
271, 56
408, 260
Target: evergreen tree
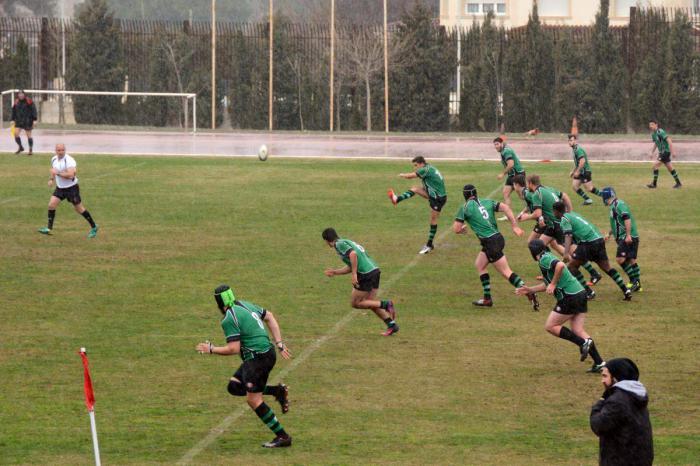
605, 102
680, 96
538, 74
420, 89
96, 64
649, 33
470, 102
515, 99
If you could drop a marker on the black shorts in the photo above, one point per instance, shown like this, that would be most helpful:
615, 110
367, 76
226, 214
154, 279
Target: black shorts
493, 247
665, 157
437, 203
572, 304
584, 177
628, 251
509, 179
24, 127
368, 281
72, 194
555, 231
253, 374
538, 229
593, 251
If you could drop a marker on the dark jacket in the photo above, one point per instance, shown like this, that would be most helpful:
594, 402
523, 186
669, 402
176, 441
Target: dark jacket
24, 113
621, 420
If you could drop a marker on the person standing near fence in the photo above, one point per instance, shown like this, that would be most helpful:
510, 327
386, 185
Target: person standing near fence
23, 116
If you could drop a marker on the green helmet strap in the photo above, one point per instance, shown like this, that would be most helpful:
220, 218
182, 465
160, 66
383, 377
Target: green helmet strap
224, 297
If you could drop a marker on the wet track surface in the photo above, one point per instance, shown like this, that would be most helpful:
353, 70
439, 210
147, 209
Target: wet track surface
282, 144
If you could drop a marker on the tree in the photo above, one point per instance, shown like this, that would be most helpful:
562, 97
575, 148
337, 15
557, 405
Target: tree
571, 85
680, 95
96, 64
420, 89
604, 112
538, 74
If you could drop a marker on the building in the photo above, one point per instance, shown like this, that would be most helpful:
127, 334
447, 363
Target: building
514, 13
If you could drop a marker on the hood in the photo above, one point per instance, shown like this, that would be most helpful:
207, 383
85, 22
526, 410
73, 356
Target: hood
635, 388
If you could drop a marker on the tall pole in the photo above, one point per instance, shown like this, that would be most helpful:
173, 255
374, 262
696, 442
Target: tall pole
213, 64
386, 72
332, 58
270, 80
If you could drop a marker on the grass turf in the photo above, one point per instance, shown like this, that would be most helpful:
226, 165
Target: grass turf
456, 385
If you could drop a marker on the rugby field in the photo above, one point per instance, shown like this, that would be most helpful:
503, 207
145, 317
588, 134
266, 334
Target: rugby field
456, 385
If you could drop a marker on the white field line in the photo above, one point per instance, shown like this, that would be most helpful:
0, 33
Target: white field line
103, 175
296, 362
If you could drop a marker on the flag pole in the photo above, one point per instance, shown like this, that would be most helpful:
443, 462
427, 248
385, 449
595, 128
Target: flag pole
90, 403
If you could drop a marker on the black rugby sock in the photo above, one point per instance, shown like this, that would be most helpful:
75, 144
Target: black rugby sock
593, 352
567, 334
596, 191
31, 143
19, 142
268, 417
486, 284
88, 217
656, 177
515, 280
52, 216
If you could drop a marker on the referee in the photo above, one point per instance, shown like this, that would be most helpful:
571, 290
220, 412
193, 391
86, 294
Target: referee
63, 168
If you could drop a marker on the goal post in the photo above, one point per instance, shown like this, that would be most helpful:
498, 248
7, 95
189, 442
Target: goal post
190, 117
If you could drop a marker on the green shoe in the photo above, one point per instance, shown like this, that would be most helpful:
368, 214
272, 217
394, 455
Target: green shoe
93, 232
44, 231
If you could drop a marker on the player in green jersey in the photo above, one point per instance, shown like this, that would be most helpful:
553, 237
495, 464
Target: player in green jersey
511, 167
571, 306
433, 190
480, 215
664, 146
244, 329
581, 173
543, 200
365, 279
623, 228
590, 246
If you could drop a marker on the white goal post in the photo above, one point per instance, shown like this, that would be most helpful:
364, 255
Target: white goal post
124, 95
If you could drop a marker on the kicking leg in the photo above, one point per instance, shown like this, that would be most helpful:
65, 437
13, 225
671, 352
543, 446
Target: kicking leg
588, 347
481, 263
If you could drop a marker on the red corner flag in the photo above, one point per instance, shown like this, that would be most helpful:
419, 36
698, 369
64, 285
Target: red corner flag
89, 395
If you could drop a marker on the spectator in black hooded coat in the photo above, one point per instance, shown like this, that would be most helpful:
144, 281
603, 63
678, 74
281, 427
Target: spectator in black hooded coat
24, 115
621, 418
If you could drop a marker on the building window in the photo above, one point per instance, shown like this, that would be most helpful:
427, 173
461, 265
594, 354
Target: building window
485, 8
622, 8
554, 8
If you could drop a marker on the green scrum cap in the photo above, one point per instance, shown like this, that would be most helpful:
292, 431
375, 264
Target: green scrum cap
224, 297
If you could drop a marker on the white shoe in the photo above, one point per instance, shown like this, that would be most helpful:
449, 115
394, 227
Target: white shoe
426, 249
502, 219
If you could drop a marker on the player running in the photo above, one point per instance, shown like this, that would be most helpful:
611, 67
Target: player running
480, 214
365, 279
433, 190
664, 146
590, 246
246, 335
511, 167
547, 227
571, 306
63, 171
624, 229
581, 173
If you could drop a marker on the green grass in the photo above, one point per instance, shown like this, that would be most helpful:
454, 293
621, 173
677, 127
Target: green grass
456, 385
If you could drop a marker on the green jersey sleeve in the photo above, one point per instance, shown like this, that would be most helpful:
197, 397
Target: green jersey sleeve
566, 226
462, 215
232, 331
422, 171
343, 247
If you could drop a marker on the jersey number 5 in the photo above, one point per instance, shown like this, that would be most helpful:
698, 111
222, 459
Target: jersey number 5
484, 212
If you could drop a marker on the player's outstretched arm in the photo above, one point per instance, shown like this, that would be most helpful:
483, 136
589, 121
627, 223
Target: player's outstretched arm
459, 227
232, 347
509, 214
276, 334
342, 271
526, 290
408, 176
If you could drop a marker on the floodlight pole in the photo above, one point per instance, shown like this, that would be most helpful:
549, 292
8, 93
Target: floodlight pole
270, 78
332, 60
213, 64
386, 72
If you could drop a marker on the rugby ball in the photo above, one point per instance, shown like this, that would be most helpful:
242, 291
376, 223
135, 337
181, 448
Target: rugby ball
262, 153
